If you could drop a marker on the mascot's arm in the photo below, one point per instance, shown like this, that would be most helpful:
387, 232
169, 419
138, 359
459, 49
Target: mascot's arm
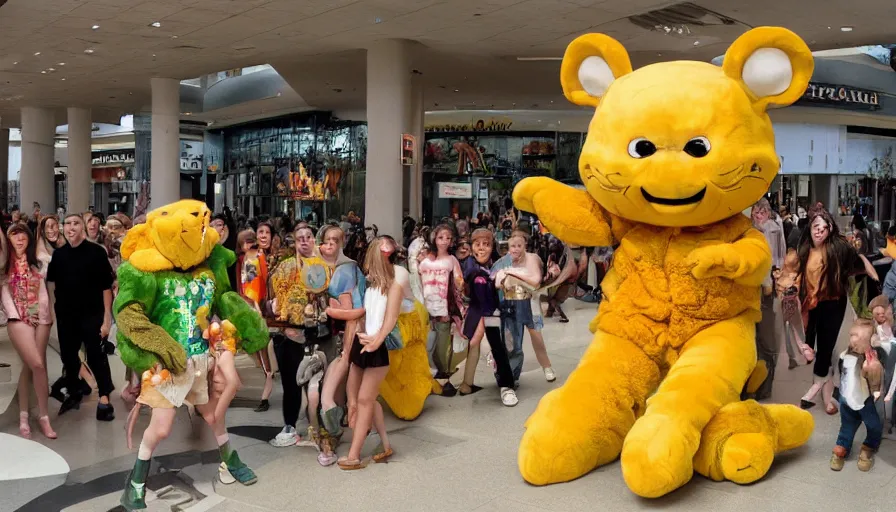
570, 214
251, 327
142, 343
747, 261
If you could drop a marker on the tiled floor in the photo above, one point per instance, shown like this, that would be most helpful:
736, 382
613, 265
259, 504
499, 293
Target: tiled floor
460, 455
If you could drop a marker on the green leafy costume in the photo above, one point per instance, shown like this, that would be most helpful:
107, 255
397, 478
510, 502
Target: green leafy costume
156, 313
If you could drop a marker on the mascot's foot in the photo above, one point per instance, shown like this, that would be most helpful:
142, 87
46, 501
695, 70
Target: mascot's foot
240, 471
134, 495
562, 442
655, 458
740, 442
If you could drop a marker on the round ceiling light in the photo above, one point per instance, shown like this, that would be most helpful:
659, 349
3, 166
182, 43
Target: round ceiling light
156, 24
89, 51
846, 29
95, 27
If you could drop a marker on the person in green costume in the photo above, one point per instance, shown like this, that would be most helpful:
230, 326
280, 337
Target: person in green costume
176, 271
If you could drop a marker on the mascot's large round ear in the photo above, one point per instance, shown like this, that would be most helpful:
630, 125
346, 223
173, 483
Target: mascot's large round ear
591, 63
137, 239
773, 64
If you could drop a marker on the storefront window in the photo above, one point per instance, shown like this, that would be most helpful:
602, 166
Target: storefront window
304, 166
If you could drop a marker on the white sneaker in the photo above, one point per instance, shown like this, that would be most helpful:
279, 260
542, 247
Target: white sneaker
286, 437
508, 397
549, 374
224, 475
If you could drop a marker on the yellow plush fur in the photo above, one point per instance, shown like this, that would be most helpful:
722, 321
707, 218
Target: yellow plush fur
177, 235
674, 337
409, 380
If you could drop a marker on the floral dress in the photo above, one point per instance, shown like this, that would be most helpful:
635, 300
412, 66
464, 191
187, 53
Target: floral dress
25, 297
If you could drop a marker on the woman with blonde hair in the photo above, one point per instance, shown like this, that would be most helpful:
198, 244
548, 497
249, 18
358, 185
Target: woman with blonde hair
49, 238
369, 355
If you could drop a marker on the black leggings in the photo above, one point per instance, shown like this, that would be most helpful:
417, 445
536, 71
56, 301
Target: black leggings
289, 355
503, 373
824, 327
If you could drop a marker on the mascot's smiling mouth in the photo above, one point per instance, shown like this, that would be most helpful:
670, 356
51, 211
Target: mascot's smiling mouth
696, 198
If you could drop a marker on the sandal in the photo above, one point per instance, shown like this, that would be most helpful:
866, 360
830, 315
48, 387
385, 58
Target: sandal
473, 389
45, 427
350, 465
383, 456
24, 426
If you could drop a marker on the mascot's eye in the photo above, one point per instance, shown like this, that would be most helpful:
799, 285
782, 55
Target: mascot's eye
698, 147
641, 148
164, 213
195, 214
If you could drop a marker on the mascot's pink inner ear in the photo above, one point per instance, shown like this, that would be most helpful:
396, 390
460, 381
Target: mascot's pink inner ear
768, 72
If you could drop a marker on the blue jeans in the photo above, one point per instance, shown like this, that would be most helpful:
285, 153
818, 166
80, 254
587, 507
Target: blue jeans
516, 317
850, 421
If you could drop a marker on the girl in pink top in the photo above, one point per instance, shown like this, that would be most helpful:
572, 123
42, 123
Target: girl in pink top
27, 305
443, 281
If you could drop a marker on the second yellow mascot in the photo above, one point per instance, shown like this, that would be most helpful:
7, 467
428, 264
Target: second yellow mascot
675, 152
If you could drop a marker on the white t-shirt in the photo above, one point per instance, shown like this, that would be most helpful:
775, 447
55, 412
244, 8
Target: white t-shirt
853, 386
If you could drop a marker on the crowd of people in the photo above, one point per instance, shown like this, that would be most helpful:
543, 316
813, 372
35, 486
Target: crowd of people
338, 299
818, 294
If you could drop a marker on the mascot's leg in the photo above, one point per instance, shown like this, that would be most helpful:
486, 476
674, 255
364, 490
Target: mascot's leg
409, 380
134, 496
710, 372
229, 457
581, 425
741, 440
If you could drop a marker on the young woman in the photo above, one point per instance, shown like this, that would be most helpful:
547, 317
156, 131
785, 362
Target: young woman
252, 285
27, 305
48, 238
480, 320
827, 261
94, 229
518, 281
443, 281
368, 355
346, 287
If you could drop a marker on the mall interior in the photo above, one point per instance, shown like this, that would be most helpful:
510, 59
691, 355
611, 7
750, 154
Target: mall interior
383, 109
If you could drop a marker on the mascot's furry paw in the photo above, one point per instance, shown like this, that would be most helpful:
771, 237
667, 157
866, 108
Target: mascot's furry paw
741, 440
655, 457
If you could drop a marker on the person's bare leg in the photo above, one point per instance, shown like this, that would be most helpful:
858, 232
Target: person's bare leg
371, 379
41, 384
268, 374
379, 423
26, 341
541, 351
227, 367
313, 406
352, 389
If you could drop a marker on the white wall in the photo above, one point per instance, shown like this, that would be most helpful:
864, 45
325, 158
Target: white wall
861, 149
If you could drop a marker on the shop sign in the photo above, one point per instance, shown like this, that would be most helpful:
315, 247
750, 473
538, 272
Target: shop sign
841, 95
408, 149
115, 157
449, 190
475, 125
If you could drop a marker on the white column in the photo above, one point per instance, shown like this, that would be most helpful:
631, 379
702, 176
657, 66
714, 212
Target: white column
165, 157
389, 112
80, 126
415, 202
37, 179
4, 167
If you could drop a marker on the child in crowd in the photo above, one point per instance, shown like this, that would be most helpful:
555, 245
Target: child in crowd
882, 314
787, 285
860, 384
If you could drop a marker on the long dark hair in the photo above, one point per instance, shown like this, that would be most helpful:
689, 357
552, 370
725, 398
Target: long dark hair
837, 250
30, 249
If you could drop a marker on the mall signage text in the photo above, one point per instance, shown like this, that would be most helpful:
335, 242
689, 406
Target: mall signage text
123, 156
841, 95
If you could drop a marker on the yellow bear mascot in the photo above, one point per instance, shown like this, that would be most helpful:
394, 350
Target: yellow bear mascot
675, 152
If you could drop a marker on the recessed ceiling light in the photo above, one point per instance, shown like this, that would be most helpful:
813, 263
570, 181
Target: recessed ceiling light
43, 72
89, 51
14, 63
173, 37
95, 27
36, 54
63, 79
457, 90
156, 24
62, 63
51, 69
846, 29
696, 43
